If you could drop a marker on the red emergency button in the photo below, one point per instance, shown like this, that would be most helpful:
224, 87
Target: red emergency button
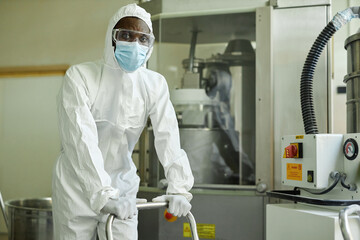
294, 150
169, 217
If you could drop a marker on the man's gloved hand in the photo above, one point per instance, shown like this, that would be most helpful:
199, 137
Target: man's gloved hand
123, 208
141, 200
178, 204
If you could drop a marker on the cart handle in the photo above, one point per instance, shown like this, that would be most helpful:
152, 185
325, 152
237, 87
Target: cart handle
344, 222
152, 205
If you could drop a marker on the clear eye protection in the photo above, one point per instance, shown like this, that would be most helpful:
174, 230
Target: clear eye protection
126, 35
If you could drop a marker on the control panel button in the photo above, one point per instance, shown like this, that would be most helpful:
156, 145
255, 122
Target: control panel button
310, 176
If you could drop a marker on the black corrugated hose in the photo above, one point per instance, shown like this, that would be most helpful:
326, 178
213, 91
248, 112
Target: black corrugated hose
306, 85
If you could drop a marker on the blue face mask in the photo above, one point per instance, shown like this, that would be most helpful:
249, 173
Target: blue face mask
130, 55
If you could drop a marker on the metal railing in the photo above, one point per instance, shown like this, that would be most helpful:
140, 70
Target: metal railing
2, 205
152, 205
344, 222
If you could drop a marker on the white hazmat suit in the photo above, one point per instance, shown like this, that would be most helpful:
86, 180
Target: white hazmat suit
102, 112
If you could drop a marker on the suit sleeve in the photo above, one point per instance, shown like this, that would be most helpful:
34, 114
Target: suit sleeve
79, 139
167, 143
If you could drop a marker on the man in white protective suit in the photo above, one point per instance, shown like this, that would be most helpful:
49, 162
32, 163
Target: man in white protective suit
103, 108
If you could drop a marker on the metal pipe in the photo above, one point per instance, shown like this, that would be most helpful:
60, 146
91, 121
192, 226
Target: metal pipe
192, 222
151, 205
3, 211
344, 222
223, 187
192, 50
110, 220
142, 159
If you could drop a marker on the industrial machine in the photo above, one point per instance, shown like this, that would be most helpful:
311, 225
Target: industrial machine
220, 147
323, 169
221, 63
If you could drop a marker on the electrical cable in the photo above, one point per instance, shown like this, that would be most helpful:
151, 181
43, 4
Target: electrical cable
334, 175
350, 186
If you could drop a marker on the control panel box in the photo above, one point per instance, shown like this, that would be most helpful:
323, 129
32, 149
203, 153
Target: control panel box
308, 160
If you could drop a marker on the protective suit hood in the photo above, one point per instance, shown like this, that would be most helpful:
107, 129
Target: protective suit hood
130, 10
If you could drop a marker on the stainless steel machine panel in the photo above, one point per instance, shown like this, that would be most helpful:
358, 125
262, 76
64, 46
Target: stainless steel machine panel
232, 214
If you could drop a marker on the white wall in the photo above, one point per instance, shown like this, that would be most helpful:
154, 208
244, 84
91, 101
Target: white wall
40, 32
43, 32
29, 142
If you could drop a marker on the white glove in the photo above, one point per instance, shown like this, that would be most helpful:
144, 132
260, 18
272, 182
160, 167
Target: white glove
178, 204
141, 200
123, 208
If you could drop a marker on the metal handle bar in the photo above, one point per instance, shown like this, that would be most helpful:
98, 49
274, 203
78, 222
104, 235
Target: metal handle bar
4, 212
344, 222
152, 205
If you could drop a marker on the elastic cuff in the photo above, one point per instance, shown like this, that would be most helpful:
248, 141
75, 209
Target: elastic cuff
187, 195
102, 197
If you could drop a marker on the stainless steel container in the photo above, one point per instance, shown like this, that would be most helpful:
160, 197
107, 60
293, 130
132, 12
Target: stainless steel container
30, 219
352, 80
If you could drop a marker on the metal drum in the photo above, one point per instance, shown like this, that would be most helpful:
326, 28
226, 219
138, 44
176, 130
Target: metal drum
352, 80
30, 219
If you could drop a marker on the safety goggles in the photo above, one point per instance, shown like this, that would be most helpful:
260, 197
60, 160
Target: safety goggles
126, 35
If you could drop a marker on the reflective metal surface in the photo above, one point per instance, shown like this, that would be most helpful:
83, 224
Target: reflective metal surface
352, 45
3, 211
30, 219
220, 214
352, 102
344, 221
352, 80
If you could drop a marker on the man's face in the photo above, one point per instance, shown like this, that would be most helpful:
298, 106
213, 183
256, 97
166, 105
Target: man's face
132, 23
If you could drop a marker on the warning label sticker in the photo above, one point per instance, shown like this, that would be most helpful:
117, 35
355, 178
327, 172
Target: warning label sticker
294, 171
206, 231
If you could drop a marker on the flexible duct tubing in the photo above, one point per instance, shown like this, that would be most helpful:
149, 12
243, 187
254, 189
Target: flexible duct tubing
306, 84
